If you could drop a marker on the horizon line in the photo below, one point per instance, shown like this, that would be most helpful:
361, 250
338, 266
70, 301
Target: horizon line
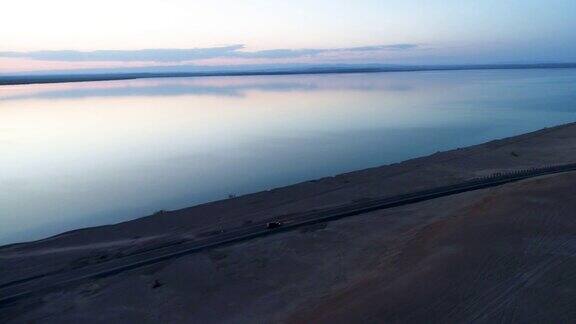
22, 79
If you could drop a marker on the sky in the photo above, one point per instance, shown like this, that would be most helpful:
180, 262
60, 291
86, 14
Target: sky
44, 35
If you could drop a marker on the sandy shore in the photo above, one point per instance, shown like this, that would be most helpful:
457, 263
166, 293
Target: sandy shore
485, 255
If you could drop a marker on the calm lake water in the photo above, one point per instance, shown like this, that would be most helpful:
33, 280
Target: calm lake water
85, 154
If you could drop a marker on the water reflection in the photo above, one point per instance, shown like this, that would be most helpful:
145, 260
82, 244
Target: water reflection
157, 88
215, 86
83, 154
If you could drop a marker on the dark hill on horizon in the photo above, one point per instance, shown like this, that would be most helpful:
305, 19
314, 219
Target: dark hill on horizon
169, 72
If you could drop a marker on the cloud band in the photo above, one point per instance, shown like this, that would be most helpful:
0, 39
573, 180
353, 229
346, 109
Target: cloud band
181, 55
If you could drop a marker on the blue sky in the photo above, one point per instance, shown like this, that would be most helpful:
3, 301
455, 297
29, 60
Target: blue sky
69, 34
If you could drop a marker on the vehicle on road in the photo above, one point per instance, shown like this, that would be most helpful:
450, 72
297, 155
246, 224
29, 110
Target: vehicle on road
272, 225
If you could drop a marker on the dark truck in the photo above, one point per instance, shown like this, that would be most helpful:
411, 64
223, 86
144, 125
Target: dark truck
273, 225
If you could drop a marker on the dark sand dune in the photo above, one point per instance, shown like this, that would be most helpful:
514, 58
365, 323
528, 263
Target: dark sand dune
504, 254
501, 254
507, 255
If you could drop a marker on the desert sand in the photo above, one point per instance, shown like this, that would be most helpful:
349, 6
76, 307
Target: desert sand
498, 254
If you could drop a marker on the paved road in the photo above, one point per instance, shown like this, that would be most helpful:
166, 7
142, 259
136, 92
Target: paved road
12, 291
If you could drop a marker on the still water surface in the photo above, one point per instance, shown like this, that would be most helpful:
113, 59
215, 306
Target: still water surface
85, 154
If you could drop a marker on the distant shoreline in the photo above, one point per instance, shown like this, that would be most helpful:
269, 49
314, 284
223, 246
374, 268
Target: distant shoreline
62, 78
